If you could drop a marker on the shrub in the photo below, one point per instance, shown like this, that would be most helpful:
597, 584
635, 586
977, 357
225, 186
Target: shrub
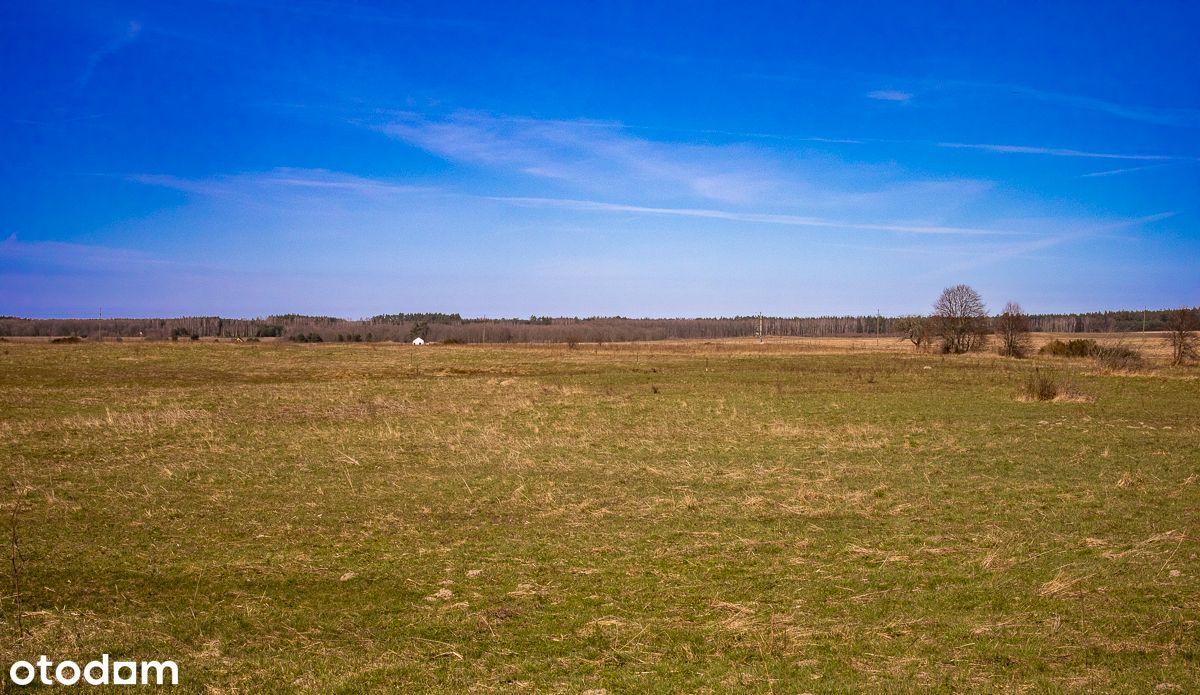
1071, 348
1118, 358
68, 339
1110, 357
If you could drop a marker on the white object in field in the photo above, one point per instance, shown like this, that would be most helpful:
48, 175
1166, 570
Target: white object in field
418, 341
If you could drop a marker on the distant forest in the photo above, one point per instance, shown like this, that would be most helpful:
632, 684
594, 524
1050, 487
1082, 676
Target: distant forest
536, 329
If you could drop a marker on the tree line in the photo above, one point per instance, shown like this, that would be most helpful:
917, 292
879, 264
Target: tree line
443, 327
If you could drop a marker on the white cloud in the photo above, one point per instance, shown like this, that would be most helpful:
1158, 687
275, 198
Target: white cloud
1057, 151
890, 95
1114, 172
1182, 117
593, 155
750, 217
283, 179
599, 160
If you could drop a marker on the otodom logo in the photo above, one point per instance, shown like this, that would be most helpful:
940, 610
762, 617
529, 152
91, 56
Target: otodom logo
99, 672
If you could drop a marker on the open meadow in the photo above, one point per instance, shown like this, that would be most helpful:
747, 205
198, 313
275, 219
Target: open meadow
801, 516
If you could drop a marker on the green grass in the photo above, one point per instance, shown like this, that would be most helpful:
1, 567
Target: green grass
640, 519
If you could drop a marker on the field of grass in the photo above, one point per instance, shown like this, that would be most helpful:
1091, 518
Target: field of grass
637, 518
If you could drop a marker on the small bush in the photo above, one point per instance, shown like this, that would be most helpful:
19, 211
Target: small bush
68, 339
307, 338
1119, 358
1012, 350
1071, 348
453, 341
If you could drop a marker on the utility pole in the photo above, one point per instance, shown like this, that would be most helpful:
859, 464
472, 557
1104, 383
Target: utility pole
1143, 320
760, 329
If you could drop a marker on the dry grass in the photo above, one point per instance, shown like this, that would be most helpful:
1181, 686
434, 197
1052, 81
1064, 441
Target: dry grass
821, 516
1044, 386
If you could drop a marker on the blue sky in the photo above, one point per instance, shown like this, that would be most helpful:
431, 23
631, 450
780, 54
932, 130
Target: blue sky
641, 159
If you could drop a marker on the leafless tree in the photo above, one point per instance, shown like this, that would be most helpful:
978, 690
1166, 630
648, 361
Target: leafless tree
960, 318
916, 329
1181, 335
1012, 329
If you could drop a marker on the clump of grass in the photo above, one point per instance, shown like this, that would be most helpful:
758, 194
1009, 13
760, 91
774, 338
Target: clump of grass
68, 339
1038, 387
1042, 386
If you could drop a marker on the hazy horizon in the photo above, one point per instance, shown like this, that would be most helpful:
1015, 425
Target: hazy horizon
242, 160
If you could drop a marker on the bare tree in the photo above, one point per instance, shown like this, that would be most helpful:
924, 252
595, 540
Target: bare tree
1181, 335
1012, 329
960, 318
916, 329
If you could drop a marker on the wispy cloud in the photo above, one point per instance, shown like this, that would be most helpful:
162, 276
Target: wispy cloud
283, 179
1127, 170
131, 32
890, 95
1058, 152
591, 155
750, 217
1185, 117
70, 255
1069, 233
604, 160
835, 141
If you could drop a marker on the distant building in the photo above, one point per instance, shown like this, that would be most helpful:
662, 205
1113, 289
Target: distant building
418, 341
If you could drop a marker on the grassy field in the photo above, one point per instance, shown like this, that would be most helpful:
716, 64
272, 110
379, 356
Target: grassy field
710, 517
